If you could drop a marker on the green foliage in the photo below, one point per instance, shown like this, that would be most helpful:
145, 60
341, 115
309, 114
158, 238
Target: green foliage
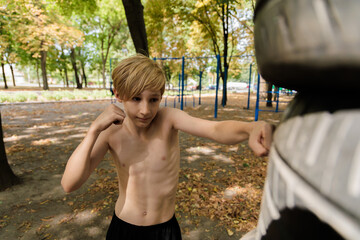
175, 28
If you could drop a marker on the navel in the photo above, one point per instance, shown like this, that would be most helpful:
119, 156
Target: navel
144, 213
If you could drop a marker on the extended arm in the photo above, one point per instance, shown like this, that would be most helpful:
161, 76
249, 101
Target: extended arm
226, 132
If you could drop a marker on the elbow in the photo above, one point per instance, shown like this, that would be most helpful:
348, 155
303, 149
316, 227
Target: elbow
67, 187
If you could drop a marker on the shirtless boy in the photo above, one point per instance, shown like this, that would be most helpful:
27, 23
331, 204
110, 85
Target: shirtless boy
144, 143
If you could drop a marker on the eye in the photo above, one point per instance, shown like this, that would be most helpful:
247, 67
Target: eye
136, 99
154, 99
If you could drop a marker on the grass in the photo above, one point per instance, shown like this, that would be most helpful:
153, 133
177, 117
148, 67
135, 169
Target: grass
61, 95
44, 96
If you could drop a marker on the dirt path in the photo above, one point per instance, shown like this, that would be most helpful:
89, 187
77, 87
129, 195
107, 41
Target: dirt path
39, 138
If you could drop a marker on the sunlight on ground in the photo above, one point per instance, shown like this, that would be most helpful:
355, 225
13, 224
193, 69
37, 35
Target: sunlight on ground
14, 138
47, 141
222, 158
84, 217
200, 150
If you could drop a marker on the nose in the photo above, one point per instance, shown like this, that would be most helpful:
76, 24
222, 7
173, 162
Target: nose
144, 108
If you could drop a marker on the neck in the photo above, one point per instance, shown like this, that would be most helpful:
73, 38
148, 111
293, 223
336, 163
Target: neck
135, 130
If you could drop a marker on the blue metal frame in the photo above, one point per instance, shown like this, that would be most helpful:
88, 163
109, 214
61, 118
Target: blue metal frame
257, 110
257, 98
248, 102
182, 81
217, 85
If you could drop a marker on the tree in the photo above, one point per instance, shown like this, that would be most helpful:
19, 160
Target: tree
4, 43
134, 11
38, 26
106, 31
3, 72
216, 21
7, 176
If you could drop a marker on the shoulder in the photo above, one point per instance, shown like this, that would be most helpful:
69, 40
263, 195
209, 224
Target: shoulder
110, 132
166, 116
169, 114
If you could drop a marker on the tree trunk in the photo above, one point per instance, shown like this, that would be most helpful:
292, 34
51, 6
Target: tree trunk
43, 70
37, 73
12, 74
4, 77
83, 73
66, 77
276, 93
225, 24
7, 176
73, 62
134, 11
269, 95
103, 75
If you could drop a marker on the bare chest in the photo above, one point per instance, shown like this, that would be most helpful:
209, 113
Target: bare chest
156, 156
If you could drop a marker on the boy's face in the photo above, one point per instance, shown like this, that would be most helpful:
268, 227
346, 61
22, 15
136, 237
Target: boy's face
143, 108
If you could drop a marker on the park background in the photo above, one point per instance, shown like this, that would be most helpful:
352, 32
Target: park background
56, 59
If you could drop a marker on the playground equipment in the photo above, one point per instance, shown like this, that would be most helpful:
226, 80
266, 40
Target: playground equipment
277, 93
182, 96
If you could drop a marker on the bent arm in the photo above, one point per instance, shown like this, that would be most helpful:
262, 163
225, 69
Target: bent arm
84, 160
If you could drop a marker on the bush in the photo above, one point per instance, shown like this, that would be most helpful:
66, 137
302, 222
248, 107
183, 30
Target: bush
18, 97
54, 95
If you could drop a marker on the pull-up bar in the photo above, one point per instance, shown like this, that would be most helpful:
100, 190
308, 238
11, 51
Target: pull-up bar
183, 78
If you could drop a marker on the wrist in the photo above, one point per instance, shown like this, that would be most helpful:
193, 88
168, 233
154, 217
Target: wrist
249, 127
93, 130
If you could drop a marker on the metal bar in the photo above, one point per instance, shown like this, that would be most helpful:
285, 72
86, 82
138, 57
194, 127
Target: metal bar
182, 80
257, 99
277, 101
268, 111
248, 102
217, 85
179, 86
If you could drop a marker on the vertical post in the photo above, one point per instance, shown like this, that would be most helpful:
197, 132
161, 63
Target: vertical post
179, 87
277, 99
182, 83
248, 102
257, 98
201, 72
217, 85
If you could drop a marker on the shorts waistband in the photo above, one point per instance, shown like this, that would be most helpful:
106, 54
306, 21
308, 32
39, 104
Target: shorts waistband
159, 225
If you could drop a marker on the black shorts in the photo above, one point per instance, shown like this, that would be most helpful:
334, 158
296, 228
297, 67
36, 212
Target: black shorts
121, 230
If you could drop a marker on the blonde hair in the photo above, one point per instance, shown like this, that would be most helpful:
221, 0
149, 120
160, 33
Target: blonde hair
135, 74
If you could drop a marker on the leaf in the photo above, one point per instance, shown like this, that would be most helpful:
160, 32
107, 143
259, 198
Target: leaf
229, 232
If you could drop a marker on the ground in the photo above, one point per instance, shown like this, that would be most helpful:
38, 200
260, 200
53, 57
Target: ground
219, 190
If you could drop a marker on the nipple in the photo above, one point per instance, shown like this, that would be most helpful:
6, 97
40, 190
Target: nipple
144, 213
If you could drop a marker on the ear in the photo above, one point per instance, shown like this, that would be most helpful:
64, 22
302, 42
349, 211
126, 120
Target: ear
117, 96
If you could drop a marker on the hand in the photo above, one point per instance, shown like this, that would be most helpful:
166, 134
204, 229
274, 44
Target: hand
112, 115
260, 138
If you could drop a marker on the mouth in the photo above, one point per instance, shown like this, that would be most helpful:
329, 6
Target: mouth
143, 119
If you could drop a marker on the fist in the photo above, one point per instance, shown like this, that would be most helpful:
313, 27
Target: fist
260, 138
113, 114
